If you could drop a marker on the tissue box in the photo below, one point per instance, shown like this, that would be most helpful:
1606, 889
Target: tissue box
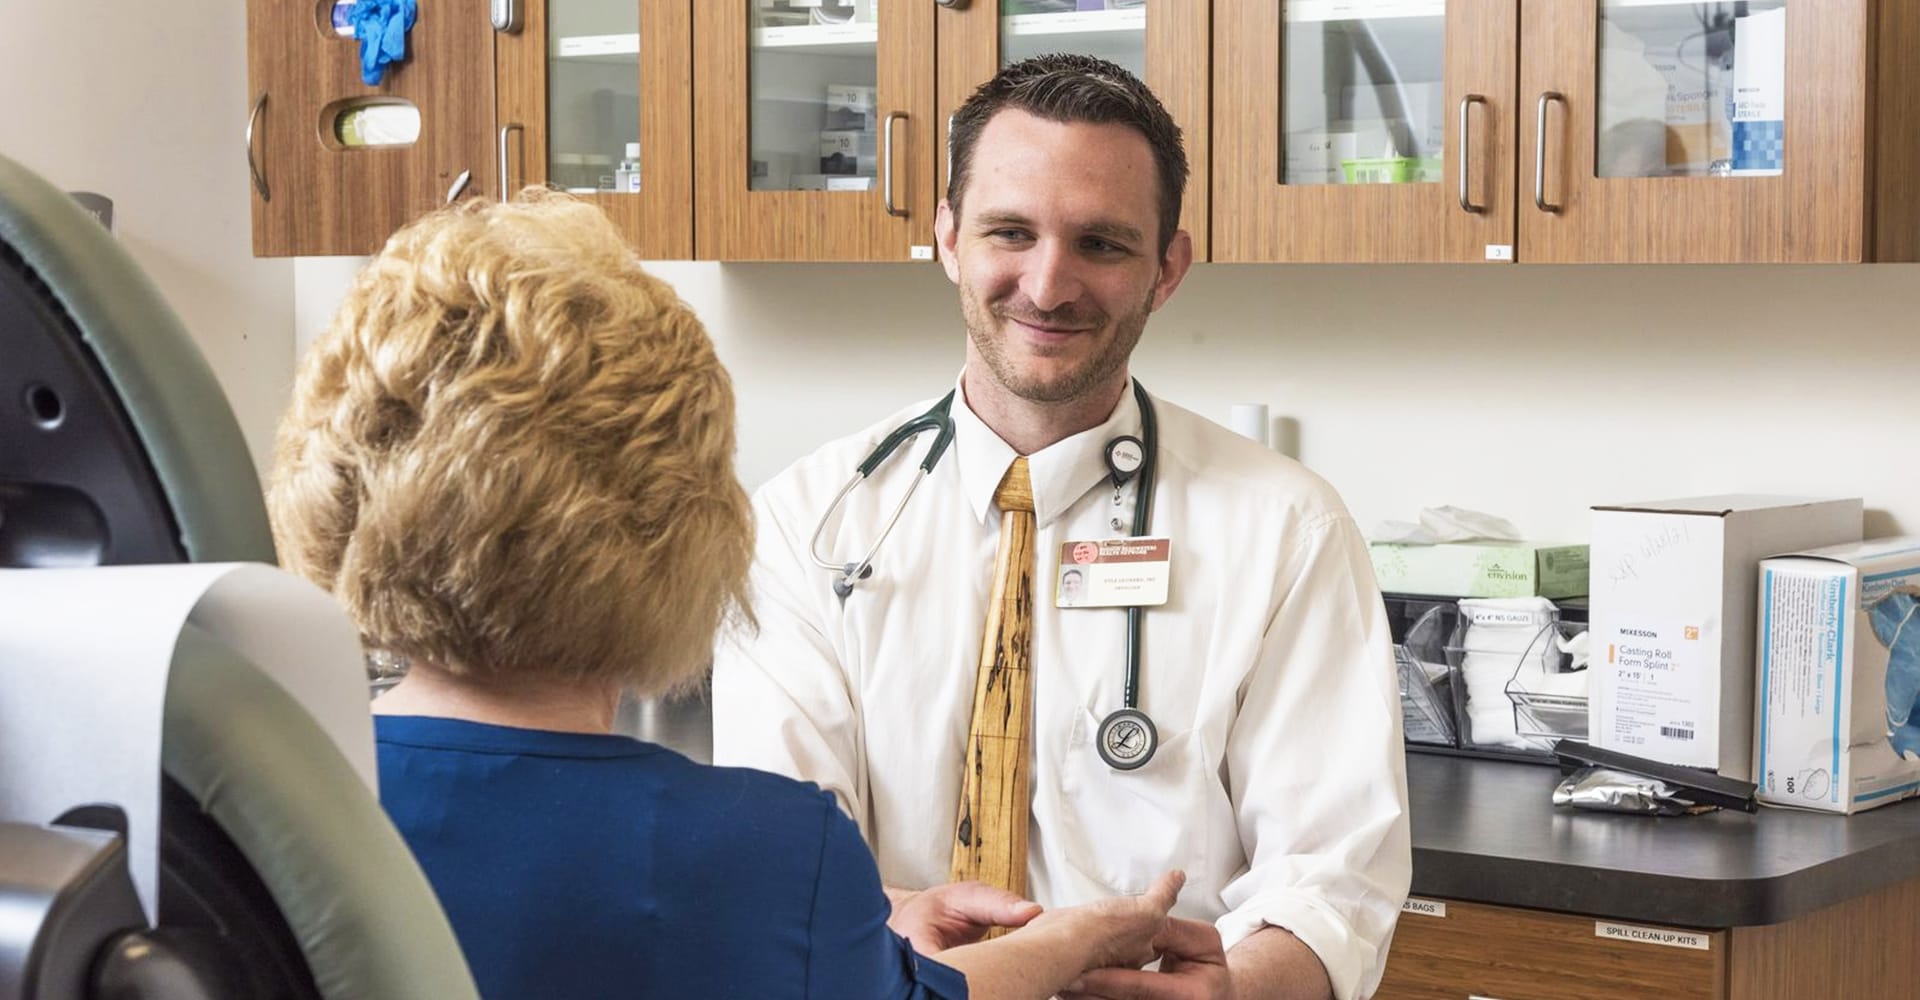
1481, 569
1840, 657
1673, 619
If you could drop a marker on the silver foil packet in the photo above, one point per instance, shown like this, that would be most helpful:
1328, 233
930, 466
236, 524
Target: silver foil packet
1608, 790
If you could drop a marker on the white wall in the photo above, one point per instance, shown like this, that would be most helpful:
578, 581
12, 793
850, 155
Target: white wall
146, 104
1534, 392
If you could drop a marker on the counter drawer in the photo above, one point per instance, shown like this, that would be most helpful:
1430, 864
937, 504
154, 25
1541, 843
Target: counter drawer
1445, 950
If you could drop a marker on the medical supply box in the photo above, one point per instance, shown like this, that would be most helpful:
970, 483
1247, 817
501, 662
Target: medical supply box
1839, 642
1481, 569
1672, 610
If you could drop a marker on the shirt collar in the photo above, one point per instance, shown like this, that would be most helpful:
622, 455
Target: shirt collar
1062, 472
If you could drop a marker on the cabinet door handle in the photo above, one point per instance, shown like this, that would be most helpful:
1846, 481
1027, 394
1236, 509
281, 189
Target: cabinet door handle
1466, 153
949, 151
459, 185
505, 15
951, 4
1540, 151
506, 181
253, 166
887, 155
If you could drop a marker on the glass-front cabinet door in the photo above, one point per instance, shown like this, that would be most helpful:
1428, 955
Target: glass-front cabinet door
1164, 42
596, 99
1364, 130
814, 131
1663, 130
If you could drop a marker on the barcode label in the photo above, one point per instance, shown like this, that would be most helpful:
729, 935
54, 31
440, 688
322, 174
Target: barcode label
1676, 733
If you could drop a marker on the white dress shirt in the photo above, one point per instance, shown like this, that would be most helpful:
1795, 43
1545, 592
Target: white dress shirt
1279, 785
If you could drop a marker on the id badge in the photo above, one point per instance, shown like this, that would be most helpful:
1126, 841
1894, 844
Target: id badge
1113, 573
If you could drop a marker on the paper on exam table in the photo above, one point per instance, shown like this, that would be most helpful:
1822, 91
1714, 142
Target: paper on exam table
84, 656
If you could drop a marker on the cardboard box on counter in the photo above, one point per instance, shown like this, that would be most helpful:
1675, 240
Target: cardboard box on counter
1673, 619
1839, 642
1481, 569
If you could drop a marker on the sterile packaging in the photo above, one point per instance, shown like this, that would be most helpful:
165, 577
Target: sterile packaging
849, 107
1839, 675
847, 152
1481, 569
1760, 93
1672, 597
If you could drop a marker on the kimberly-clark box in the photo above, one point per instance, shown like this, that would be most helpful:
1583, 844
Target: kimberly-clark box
1839, 675
1672, 598
1481, 569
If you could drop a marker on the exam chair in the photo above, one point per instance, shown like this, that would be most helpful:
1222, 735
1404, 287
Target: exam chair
278, 874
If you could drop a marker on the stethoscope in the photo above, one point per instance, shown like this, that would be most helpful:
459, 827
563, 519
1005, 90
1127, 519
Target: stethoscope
1126, 738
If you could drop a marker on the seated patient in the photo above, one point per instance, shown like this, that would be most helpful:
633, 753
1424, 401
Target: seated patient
510, 458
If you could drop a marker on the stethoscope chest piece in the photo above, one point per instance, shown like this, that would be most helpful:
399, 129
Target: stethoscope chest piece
1126, 739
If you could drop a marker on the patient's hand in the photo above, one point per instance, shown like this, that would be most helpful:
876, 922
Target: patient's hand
1120, 931
957, 913
1193, 966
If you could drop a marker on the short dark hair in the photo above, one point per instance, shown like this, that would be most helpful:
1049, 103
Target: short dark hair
1063, 87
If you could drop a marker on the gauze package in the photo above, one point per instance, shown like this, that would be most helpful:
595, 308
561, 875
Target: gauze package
1508, 649
1837, 724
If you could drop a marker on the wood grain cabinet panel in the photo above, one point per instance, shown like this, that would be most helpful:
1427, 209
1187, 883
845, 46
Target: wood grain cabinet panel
1531, 71
314, 196
1499, 953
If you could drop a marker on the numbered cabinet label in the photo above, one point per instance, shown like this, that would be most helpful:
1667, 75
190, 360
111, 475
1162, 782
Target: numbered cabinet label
1424, 907
1652, 935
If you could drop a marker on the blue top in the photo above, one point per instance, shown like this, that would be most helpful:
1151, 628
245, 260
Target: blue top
574, 865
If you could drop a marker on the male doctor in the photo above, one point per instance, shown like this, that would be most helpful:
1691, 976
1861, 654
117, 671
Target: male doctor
1278, 783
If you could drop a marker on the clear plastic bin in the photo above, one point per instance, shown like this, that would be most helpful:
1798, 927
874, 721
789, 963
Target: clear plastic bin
1521, 702
1537, 694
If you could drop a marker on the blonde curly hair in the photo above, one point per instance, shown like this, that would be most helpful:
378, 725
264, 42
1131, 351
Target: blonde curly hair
511, 456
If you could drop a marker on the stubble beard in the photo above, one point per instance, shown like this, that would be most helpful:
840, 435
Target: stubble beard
984, 326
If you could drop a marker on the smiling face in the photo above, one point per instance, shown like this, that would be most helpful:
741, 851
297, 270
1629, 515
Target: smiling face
1056, 252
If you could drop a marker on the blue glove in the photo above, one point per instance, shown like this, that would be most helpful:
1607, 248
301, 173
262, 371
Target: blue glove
381, 26
1896, 623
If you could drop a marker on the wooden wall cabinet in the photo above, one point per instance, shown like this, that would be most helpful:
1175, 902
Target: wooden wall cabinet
1514, 190
775, 78
553, 101
975, 41
577, 81
311, 194
927, 59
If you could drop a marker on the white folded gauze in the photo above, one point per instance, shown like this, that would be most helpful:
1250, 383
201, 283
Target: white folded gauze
1499, 632
1447, 524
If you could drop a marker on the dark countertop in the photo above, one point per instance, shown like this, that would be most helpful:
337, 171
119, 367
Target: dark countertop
1487, 831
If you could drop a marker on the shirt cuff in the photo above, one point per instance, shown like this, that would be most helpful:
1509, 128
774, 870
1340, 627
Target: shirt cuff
931, 980
1348, 958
